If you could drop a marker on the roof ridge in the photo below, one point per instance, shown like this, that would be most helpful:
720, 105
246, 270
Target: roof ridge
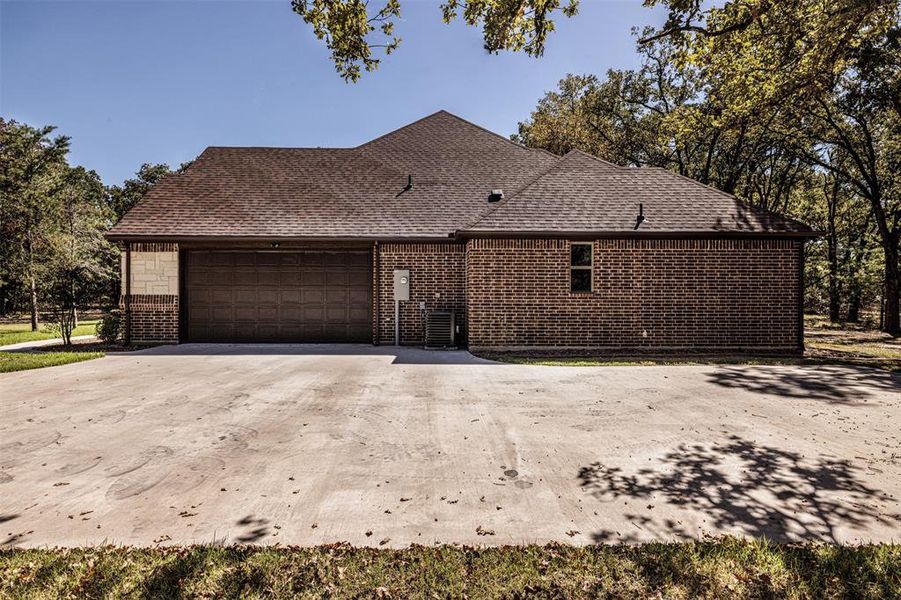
538, 176
280, 148
592, 156
486, 130
695, 181
452, 115
542, 150
401, 128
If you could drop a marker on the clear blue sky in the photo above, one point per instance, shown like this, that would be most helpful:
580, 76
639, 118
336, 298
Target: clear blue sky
137, 81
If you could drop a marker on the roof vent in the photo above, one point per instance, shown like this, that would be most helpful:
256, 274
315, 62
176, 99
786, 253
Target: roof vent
640, 218
496, 196
407, 187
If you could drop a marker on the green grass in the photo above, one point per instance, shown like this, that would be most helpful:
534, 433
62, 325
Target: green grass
21, 361
14, 333
866, 350
594, 361
721, 568
826, 344
889, 363
569, 361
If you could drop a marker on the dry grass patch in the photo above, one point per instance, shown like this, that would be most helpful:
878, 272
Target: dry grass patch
725, 567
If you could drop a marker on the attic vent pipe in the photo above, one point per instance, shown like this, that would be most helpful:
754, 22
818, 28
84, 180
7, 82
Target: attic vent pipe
407, 187
496, 196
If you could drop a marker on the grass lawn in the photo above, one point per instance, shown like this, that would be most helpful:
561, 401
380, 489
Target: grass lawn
14, 333
20, 361
720, 568
825, 344
600, 361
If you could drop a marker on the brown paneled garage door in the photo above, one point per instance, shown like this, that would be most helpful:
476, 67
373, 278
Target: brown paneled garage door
278, 296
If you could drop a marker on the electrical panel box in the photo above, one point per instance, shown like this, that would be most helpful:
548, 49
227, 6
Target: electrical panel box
402, 284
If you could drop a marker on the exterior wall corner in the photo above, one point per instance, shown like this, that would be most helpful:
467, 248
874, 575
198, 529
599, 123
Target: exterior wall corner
151, 296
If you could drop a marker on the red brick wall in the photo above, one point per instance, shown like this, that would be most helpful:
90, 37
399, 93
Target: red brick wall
154, 319
698, 294
436, 278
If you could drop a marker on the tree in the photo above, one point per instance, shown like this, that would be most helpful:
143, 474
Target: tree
32, 166
353, 33
625, 118
80, 262
757, 53
674, 117
121, 198
859, 124
841, 265
661, 115
835, 67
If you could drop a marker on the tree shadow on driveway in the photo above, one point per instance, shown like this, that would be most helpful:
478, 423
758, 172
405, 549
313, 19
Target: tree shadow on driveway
841, 384
761, 490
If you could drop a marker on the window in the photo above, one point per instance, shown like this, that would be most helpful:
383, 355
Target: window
580, 260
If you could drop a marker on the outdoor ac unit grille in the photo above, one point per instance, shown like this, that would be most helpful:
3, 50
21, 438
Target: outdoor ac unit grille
439, 329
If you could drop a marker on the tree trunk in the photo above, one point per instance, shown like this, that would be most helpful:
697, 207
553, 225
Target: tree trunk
889, 236
892, 324
34, 303
854, 301
832, 240
33, 291
68, 325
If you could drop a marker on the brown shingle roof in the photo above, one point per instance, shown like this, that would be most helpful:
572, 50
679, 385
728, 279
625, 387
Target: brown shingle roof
583, 194
352, 192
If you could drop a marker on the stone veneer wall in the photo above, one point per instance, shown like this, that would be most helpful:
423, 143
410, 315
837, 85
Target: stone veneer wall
154, 315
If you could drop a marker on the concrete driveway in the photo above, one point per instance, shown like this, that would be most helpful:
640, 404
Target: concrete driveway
313, 444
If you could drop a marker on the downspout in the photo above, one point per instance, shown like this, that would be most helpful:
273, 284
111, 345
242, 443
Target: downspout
127, 293
464, 337
801, 296
377, 276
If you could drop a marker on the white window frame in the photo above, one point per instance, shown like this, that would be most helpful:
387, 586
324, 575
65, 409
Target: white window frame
588, 267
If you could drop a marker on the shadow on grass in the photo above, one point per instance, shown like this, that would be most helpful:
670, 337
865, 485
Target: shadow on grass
167, 579
840, 384
721, 568
761, 490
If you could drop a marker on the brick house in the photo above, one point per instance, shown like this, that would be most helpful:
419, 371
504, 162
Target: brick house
527, 250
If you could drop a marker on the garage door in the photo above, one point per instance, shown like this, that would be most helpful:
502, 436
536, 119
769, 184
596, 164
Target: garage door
278, 296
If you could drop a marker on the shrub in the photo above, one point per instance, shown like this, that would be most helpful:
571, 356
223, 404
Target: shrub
109, 328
